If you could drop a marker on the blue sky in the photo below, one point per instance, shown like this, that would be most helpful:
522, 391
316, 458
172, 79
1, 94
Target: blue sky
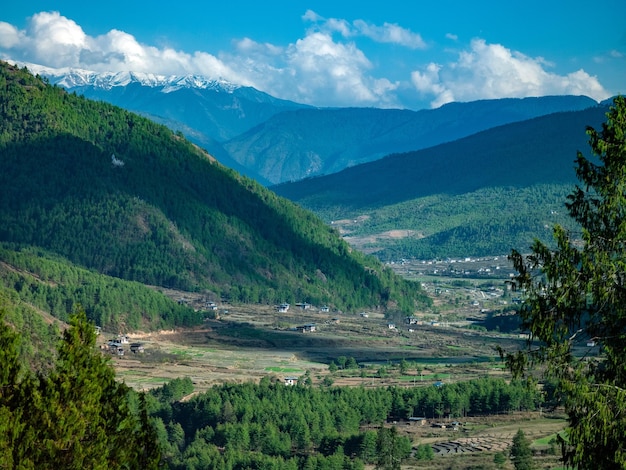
408, 54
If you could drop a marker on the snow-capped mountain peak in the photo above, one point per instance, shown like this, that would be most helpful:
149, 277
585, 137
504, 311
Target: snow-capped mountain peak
70, 78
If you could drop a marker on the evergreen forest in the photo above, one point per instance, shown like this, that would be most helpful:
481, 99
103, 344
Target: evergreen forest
476, 196
74, 414
96, 187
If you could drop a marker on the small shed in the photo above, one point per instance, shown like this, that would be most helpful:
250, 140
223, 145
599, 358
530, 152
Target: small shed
308, 328
116, 349
137, 348
291, 380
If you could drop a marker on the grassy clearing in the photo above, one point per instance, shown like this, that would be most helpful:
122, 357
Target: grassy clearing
546, 441
424, 377
284, 370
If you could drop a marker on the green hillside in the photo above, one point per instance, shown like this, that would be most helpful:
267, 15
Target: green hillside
118, 194
476, 196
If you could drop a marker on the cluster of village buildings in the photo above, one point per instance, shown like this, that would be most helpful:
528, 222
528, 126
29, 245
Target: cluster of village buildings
117, 346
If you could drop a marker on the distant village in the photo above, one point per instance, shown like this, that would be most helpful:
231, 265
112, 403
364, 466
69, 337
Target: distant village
489, 267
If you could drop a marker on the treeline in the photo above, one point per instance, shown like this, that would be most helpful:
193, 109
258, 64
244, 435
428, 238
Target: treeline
114, 192
59, 288
481, 223
74, 415
270, 425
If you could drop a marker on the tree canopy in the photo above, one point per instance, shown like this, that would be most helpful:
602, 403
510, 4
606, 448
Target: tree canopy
575, 306
76, 415
520, 452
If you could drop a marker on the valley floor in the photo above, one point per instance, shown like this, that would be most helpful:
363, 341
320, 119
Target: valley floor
249, 342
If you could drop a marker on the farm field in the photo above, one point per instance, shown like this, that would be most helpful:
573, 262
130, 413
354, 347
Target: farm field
249, 342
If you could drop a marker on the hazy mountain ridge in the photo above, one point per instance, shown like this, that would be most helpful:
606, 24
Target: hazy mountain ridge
302, 143
509, 155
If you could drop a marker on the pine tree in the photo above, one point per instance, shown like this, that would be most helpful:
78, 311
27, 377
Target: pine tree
521, 453
10, 422
388, 449
576, 296
75, 417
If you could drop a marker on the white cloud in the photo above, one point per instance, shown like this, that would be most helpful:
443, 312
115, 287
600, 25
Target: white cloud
311, 16
492, 71
389, 33
316, 69
55, 38
326, 67
9, 35
55, 41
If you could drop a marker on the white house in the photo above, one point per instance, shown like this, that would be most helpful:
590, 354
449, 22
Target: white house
291, 380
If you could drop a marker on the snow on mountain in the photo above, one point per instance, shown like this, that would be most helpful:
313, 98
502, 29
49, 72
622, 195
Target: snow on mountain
74, 78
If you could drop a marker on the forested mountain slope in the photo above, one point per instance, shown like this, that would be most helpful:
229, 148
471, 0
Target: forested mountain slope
540, 150
207, 116
119, 194
479, 195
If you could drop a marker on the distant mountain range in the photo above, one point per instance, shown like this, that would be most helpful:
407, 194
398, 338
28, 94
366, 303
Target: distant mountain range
208, 112
275, 141
536, 151
481, 195
293, 145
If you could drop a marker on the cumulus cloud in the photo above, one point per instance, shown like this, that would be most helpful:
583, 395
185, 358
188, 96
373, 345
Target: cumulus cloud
56, 39
315, 69
493, 71
9, 35
53, 40
389, 33
325, 67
